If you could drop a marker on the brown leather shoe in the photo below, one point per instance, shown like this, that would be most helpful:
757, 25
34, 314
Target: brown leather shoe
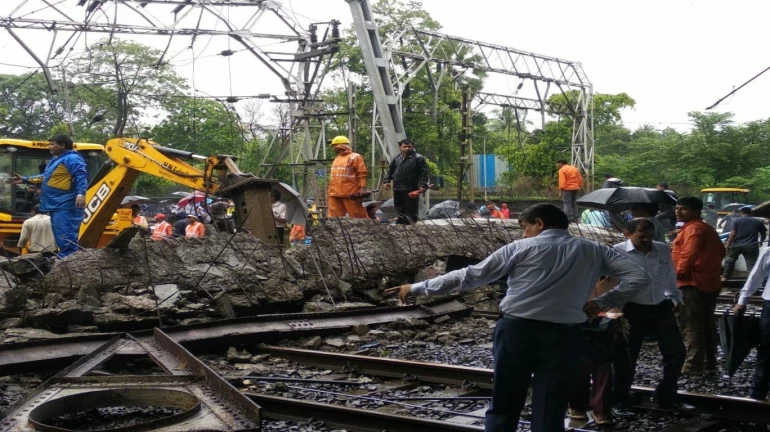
577, 414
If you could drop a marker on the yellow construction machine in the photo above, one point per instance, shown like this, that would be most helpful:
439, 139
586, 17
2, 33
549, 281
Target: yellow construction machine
128, 157
30, 158
113, 168
725, 200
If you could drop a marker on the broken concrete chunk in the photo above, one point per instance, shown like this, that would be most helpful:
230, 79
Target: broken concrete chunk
9, 323
13, 299
139, 303
259, 358
88, 295
315, 306
28, 264
361, 329
31, 334
235, 356
83, 329
441, 319
354, 306
312, 343
168, 294
255, 369
335, 342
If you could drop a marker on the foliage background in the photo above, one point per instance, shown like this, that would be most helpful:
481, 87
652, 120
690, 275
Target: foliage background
119, 89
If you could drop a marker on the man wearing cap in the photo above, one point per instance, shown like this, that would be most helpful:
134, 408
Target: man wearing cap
409, 175
194, 229
348, 181
162, 229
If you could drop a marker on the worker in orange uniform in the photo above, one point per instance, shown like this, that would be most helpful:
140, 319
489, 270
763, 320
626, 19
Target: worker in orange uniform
570, 182
162, 229
138, 219
297, 234
194, 228
348, 181
494, 212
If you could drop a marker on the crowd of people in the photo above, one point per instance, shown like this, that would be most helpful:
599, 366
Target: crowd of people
559, 328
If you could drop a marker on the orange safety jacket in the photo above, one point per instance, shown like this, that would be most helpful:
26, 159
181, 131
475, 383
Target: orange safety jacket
161, 230
196, 230
348, 175
570, 178
297, 232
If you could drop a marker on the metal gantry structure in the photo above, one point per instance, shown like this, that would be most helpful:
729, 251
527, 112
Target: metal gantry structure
300, 70
438, 54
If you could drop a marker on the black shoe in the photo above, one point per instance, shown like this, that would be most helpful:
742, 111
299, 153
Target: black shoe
621, 412
675, 406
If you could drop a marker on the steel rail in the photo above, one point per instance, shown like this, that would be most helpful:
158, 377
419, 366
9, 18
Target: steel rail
351, 419
32, 356
726, 407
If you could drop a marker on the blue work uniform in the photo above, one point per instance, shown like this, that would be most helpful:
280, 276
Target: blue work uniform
64, 178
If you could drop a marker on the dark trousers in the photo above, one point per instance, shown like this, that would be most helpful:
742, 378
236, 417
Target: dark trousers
699, 328
761, 383
569, 199
525, 347
750, 254
406, 207
658, 320
592, 383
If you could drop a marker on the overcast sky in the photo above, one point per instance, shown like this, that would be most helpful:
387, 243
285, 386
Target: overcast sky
672, 56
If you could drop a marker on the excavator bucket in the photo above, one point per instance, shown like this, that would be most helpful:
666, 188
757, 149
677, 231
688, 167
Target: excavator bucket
253, 210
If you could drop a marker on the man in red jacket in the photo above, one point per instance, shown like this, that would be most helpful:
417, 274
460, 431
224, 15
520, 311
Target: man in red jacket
698, 254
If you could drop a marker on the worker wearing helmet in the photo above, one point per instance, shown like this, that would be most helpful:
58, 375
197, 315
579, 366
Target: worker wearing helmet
348, 180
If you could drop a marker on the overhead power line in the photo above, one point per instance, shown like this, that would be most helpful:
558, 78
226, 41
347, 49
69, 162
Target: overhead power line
738, 88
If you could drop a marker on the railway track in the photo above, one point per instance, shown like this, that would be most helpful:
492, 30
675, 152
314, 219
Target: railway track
715, 406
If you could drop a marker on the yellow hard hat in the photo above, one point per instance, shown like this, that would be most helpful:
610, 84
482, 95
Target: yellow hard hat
340, 140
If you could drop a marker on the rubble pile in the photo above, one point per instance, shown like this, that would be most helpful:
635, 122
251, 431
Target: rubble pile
186, 280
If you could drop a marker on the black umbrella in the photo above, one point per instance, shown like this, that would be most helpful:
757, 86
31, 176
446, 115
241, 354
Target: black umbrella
738, 334
623, 198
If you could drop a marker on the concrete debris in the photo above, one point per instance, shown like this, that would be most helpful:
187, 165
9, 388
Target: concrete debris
402, 324
316, 306
347, 306
312, 343
235, 356
350, 261
335, 342
441, 319
361, 329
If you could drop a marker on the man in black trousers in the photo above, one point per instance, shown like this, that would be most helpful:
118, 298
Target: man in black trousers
538, 338
650, 310
408, 174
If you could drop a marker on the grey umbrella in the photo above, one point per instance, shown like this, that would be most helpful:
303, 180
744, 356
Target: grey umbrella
133, 199
296, 209
388, 209
623, 198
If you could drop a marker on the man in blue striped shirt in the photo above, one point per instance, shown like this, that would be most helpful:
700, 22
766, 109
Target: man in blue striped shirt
550, 276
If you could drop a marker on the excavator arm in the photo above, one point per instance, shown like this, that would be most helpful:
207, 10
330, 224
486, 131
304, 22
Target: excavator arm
131, 156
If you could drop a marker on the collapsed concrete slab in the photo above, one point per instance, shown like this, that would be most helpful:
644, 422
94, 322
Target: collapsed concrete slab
182, 280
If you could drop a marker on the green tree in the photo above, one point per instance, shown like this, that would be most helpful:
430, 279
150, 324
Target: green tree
128, 79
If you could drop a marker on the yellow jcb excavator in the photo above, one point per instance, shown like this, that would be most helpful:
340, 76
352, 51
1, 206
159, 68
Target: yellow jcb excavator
127, 158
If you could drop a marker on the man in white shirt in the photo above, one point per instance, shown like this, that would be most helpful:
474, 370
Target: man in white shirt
279, 214
650, 310
37, 235
761, 381
550, 276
